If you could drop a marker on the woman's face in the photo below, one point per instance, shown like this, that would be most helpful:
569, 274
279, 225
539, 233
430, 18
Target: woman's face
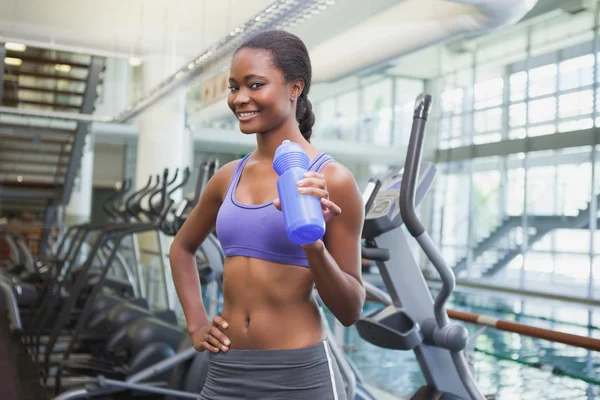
259, 97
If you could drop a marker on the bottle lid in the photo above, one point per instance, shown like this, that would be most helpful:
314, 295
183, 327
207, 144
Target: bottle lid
288, 155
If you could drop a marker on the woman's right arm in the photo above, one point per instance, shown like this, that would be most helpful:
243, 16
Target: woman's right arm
182, 254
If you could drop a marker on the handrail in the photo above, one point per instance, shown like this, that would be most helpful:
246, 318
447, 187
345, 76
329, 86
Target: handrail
583, 342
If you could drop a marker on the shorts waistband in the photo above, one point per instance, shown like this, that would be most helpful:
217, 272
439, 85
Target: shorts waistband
270, 357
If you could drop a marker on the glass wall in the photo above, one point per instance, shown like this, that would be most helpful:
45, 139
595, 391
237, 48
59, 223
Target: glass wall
377, 110
521, 216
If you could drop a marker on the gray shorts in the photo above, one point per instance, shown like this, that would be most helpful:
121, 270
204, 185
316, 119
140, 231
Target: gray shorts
304, 374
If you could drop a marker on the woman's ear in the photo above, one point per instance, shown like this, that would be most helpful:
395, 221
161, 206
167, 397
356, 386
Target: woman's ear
297, 88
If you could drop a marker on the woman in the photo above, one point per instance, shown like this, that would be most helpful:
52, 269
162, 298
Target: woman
269, 341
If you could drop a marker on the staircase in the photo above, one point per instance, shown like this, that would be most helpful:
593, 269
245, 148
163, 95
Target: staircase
539, 226
40, 157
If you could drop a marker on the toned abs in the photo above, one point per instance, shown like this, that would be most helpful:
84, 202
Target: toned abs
269, 305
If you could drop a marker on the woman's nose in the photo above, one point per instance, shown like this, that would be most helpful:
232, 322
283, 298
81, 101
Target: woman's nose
241, 98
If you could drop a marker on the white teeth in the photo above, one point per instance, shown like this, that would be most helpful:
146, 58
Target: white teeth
247, 114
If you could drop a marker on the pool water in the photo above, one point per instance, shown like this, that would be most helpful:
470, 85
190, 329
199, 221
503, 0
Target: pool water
506, 365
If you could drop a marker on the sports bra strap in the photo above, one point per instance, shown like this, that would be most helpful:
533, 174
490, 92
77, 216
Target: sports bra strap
237, 173
320, 162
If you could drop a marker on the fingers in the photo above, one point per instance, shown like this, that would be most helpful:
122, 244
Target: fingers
313, 174
312, 182
200, 343
220, 322
316, 192
221, 340
211, 337
216, 340
331, 206
277, 203
208, 344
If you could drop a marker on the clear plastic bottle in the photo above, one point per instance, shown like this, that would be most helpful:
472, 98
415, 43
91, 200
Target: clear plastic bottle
302, 213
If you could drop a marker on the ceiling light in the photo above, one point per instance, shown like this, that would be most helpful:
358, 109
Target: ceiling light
13, 61
135, 62
15, 46
19, 178
62, 67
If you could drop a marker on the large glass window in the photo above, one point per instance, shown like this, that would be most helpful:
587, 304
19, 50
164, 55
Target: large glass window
347, 114
454, 206
576, 72
325, 121
489, 93
406, 92
376, 115
542, 80
451, 124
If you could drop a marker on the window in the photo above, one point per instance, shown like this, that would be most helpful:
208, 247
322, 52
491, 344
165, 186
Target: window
517, 114
404, 115
452, 101
542, 110
541, 130
488, 121
326, 123
576, 72
489, 93
542, 80
376, 115
518, 83
575, 104
347, 114
541, 190
515, 189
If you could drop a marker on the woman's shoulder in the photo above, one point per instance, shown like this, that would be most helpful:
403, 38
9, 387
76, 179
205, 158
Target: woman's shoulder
338, 176
219, 182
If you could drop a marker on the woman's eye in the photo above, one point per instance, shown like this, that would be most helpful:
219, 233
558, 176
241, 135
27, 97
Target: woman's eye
255, 85
232, 88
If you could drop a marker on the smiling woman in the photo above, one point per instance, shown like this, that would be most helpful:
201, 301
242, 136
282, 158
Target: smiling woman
269, 341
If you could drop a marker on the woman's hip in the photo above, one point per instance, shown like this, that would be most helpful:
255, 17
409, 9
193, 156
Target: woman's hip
304, 373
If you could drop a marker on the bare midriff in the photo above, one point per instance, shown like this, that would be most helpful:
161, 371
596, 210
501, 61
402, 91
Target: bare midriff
269, 306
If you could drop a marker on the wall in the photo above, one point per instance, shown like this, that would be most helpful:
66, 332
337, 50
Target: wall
109, 161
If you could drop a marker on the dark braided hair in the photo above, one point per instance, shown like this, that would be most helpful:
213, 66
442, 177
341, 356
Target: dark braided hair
290, 56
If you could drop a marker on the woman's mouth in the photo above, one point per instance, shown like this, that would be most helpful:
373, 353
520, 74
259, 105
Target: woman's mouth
246, 115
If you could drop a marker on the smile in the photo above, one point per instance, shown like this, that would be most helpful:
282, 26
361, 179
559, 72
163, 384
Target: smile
246, 116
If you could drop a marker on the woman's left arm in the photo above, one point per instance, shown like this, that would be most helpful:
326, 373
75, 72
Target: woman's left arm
336, 264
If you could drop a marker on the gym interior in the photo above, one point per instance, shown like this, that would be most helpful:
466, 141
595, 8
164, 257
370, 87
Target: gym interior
482, 114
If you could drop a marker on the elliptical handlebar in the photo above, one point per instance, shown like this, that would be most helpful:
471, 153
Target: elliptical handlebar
417, 230
414, 152
409, 213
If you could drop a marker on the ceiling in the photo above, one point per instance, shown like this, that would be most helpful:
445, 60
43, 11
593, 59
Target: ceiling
127, 27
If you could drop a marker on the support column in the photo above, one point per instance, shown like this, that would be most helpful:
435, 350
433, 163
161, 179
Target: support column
79, 209
163, 142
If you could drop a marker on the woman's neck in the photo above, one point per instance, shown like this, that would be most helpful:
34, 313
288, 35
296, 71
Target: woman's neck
268, 142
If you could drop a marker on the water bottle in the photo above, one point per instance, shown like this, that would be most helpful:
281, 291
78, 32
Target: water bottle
302, 213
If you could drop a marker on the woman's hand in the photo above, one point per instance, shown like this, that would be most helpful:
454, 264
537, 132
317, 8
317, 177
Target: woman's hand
211, 337
314, 184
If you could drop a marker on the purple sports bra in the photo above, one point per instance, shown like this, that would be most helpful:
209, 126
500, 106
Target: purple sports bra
258, 231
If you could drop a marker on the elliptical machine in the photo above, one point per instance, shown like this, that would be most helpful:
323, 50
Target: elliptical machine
411, 319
